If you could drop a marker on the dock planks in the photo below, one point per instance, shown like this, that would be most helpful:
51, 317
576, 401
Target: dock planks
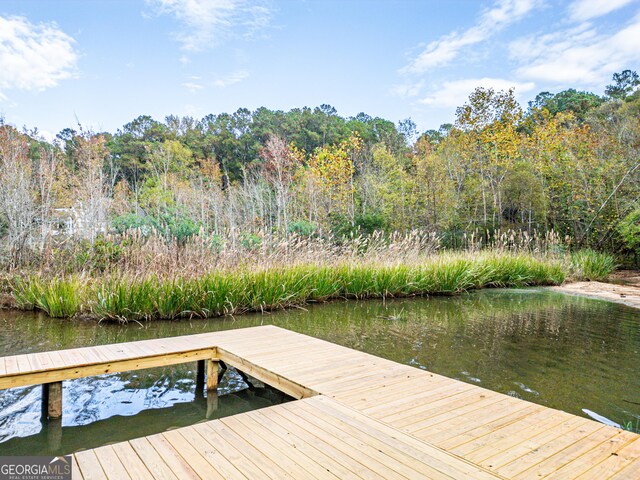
358, 416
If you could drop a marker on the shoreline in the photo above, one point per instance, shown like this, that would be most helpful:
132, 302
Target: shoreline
625, 294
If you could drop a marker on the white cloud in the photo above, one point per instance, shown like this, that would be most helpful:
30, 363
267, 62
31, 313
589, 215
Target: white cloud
581, 10
196, 83
407, 90
578, 56
207, 23
455, 93
442, 51
34, 57
189, 110
192, 87
232, 78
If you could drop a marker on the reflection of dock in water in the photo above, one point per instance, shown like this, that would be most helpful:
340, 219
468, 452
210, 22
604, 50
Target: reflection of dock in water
55, 439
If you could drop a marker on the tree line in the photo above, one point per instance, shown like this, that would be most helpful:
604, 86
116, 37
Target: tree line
569, 162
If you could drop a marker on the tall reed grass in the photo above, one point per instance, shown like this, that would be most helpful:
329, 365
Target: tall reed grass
125, 297
136, 278
136, 254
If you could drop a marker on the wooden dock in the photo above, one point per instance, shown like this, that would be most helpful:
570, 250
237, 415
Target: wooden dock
358, 416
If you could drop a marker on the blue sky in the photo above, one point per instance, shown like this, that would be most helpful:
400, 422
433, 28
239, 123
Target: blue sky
103, 63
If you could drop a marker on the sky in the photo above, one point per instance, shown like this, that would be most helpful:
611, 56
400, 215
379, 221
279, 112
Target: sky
102, 63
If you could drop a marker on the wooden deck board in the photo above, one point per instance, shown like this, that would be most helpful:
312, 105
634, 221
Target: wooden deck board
243, 462
268, 446
407, 459
352, 466
530, 449
212, 454
132, 462
75, 469
423, 407
89, 466
510, 435
172, 458
361, 448
191, 455
301, 443
281, 450
23, 363
433, 456
613, 465
560, 443
370, 382
151, 459
628, 472
111, 463
578, 457
258, 455
360, 416
520, 418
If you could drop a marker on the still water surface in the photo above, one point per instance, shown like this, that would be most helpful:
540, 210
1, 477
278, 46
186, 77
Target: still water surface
565, 352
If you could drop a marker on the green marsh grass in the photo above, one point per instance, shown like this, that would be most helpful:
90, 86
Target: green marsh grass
592, 265
293, 275
57, 297
263, 288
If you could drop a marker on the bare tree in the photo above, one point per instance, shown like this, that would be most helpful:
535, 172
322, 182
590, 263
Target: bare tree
280, 164
17, 201
92, 203
47, 178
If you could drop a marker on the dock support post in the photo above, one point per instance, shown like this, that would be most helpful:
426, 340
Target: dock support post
52, 400
45, 402
200, 379
212, 403
54, 434
212, 374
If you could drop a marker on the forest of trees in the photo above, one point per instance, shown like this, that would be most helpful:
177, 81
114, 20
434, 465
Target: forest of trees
570, 163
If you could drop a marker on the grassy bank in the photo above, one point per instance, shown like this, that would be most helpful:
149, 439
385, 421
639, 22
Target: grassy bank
127, 297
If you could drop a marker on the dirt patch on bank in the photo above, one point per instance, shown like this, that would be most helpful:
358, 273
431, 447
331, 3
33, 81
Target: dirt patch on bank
627, 291
626, 277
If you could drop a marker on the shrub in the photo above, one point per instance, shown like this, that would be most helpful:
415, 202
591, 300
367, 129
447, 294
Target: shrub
591, 265
250, 241
368, 223
170, 223
132, 221
302, 228
629, 230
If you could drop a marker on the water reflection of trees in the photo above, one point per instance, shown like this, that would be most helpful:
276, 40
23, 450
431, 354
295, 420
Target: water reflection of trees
565, 352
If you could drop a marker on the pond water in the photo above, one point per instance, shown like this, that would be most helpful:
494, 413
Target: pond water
565, 352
